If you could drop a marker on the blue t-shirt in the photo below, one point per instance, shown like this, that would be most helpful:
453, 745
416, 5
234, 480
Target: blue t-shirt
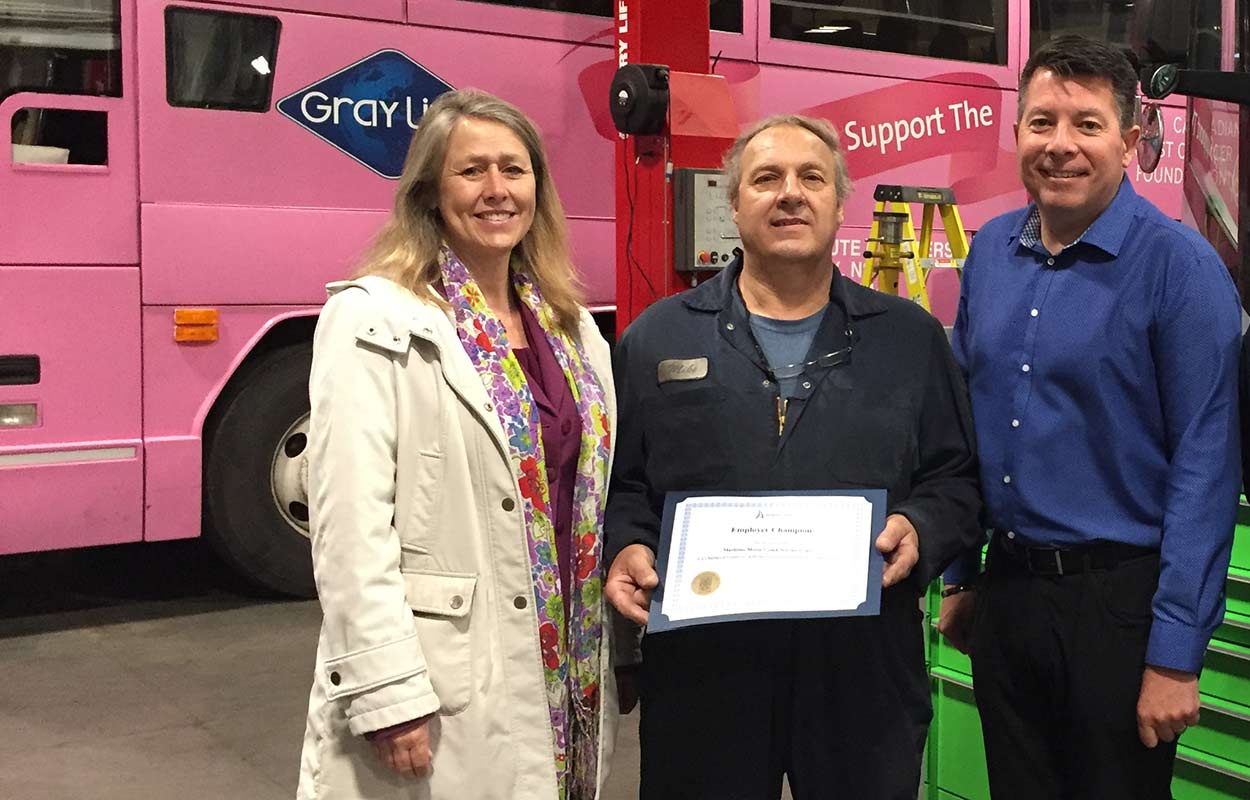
785, 342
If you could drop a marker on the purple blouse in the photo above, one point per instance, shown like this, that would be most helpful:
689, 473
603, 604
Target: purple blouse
561, 430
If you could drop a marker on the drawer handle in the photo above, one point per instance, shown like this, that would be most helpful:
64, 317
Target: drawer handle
1227, 712
1235, 576
1237, 654
946, 677
1182, 755
1245, 626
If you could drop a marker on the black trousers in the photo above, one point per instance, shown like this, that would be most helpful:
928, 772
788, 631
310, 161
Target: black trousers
839, 706
1057, 662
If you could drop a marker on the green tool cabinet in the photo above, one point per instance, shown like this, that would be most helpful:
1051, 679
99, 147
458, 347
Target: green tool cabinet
1213, 759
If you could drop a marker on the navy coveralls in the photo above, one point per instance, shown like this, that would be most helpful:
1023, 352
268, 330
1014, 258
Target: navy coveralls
839, 705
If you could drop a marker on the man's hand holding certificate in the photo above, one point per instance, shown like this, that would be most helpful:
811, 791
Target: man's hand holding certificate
760, 555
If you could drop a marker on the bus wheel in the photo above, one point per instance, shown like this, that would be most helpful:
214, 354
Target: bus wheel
255, 473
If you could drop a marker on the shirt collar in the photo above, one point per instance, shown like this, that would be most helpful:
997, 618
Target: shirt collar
1106, 232
719, 292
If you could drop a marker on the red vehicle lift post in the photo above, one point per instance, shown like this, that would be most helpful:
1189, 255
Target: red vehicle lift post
701, 125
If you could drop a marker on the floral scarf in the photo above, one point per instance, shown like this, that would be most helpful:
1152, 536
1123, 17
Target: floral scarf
571, 668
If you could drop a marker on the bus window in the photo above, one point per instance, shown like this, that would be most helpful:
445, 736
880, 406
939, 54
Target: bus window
724, 15
595, 8
220, 60
60, 47
1169, 29
960, 30
1205, 39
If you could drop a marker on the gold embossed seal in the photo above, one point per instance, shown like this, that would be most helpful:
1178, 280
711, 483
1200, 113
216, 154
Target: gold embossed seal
705, 583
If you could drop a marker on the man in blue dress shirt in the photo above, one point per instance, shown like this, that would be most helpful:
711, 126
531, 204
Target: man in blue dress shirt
1100, 343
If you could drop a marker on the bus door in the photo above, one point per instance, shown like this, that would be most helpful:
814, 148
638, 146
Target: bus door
70, 460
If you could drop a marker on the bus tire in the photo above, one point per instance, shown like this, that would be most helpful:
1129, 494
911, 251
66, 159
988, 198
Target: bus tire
252, 451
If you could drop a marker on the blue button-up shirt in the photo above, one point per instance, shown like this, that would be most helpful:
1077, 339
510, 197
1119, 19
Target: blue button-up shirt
1104, 392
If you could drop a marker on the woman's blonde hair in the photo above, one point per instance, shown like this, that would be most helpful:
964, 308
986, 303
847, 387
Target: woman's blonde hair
406, 249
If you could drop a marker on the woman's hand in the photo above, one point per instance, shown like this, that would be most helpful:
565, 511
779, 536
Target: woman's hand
405, 748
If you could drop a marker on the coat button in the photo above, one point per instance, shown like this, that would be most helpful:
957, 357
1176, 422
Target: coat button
566, 426
457, 601
336, 678
508, 504
520, 602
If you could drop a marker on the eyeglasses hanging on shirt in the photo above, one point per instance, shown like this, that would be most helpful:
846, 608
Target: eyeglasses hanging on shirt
835, 359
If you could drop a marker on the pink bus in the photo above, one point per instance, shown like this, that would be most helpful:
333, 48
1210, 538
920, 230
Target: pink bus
181, 179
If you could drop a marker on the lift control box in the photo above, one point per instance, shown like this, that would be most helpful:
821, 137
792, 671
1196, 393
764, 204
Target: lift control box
704, 234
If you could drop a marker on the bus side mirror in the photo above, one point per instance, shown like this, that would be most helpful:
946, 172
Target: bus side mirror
1159, 82
1150, 143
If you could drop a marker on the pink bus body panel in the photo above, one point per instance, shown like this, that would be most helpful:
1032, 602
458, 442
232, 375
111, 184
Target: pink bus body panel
392, 10
183, 381
251, 214
209, 182
84, 324
210, 254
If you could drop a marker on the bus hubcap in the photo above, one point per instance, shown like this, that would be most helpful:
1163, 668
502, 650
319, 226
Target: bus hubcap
288, 476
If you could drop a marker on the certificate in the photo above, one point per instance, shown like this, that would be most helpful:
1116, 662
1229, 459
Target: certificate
761, 555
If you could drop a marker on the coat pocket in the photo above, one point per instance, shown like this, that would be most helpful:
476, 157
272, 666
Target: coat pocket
442, 605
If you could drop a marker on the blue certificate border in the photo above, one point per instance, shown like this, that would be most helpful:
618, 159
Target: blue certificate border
658, 621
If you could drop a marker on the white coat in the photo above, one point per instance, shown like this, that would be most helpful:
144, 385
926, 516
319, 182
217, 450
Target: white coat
421, 561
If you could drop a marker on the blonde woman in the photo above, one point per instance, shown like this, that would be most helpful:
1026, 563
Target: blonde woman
462, 417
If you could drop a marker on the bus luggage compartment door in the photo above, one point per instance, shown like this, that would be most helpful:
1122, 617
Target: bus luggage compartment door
71, 456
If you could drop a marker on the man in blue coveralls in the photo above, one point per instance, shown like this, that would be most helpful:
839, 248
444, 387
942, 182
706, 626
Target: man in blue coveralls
783, 374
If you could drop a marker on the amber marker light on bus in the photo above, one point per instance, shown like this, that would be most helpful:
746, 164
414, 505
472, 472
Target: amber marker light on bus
195, 324
19, 415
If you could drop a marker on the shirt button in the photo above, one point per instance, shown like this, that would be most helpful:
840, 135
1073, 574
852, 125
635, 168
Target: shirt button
489, 407
807, 384
1050, 262
1015, 423
336, 678
1006, 479
729, 326
1011, 534
456, 601
767, 383
1024, 368
508, 504
520, 602
1033, 313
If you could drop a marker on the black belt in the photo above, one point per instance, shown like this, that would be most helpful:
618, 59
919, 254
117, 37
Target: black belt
1097, 555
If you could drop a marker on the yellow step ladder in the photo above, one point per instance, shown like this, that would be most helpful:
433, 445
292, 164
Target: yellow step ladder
894, 255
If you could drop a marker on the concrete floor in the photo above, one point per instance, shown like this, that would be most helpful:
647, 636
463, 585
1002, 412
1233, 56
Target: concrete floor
146, 673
